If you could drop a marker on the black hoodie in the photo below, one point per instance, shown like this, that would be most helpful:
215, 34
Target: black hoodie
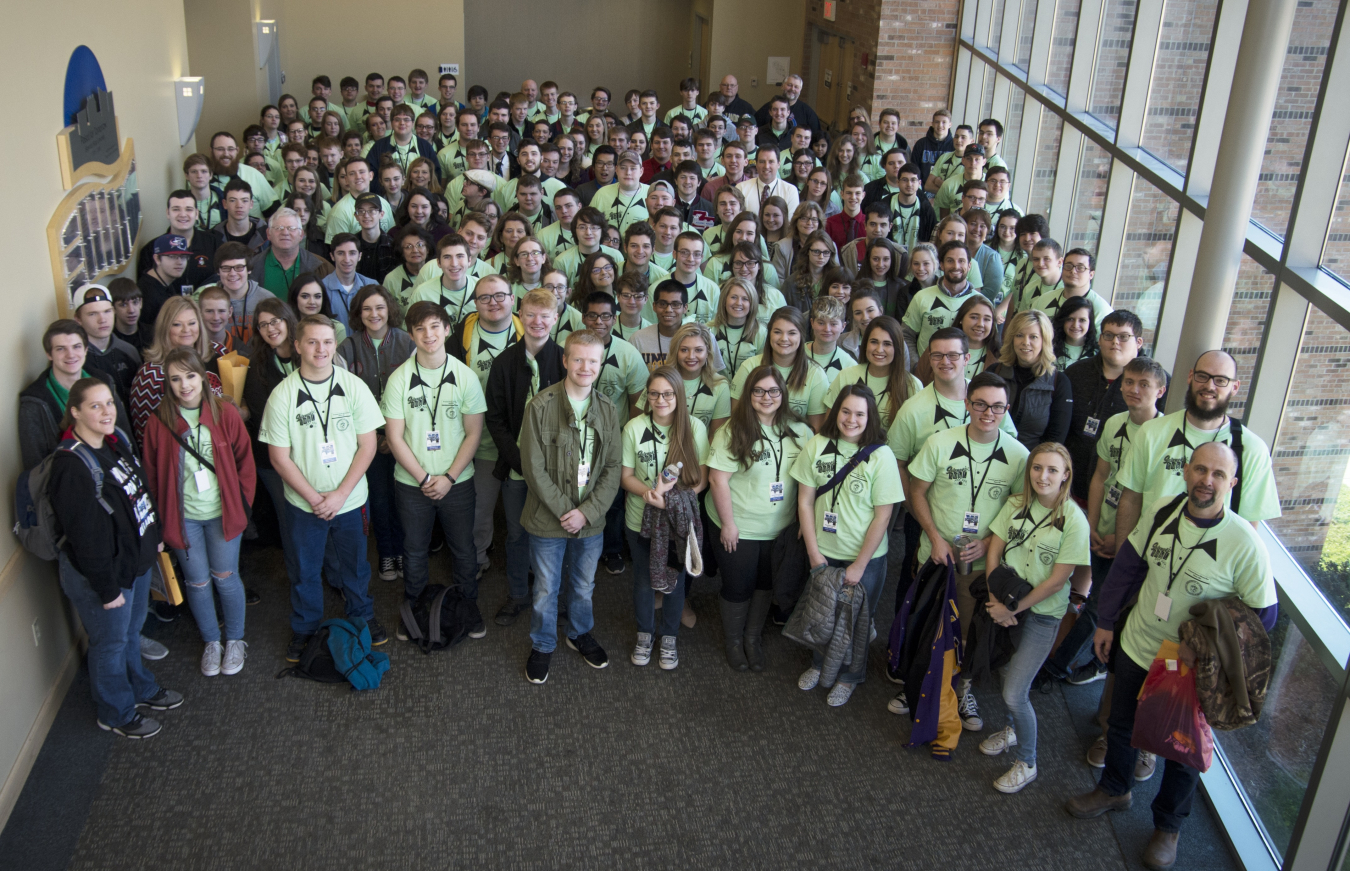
928, 149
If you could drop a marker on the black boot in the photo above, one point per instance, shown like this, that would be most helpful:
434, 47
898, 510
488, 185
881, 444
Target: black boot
733, 627
754, 628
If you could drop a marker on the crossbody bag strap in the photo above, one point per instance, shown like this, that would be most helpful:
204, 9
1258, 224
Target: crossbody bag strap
191, 450
857, 460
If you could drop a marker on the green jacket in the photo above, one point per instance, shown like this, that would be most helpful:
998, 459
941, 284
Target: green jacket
550, 451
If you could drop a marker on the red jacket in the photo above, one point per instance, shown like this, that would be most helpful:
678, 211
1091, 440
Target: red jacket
837, 226
234, 471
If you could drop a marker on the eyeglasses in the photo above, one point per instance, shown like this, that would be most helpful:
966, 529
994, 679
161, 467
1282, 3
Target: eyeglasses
415, 246
1112, 338
743, 264
954, 357
287, 229
1203, 377
663, 395
555, 289
533, 255
822, 252
981, 406
603, 317
270, 324
761, 392
1076, 268
601, 270
670, 304
632, 297
499, 296
225, 270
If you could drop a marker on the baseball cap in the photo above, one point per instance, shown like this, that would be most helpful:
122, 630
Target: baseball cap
663, 184
481, 177
171, 243
630, 157
973, 148
369, 200
747, 120
92, 293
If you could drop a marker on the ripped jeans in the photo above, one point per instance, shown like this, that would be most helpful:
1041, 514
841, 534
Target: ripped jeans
210, 558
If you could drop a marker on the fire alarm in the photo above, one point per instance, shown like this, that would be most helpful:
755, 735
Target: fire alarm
831, 7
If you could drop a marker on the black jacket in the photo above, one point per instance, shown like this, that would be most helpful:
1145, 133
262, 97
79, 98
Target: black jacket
378, 258
736, 108
928, 149
799, 115
40, 417
155, 293
120, 363
201, 264
927, 217
261, 380
1040, 406
508, 390
385, 146
1093, 397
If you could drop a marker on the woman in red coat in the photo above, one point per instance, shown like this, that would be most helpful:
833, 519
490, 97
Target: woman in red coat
199, 463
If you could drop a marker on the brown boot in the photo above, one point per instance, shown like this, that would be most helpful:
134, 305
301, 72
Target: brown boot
1161, 852
1095, 803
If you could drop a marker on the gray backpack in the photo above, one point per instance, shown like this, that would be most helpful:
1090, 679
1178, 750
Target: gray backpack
35, 521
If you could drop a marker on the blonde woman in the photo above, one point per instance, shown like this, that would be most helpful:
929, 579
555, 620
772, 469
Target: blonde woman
1040, 398
178, 325
736, 325
693, 353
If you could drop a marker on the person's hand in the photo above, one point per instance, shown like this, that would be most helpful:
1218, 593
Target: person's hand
1000, 614
1101, 643
437, 488
382, 446
329, 505
1186, 655
731, 535
1104, 546
573, 521
814, 559
942, 552
662, 488
654, 498
853, 575
116, 603
975, 550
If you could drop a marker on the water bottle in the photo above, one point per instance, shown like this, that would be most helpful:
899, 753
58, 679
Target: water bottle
671, 473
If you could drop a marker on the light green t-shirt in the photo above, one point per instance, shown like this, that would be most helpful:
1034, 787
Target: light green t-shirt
458, 304
1226, 559
759, 513
834, 362
905, 222
1100, 307
875, 482
1152, 465
703, 402
570, 260
198, 504
1072, 354
1117, 434
1035, 545
702, 293
305, 416
482, 351
619, 208
342, 218
810, 399
735, 346
626, 333
858, 374
928, 412
645, 444
623, 374
933, 309
432, 404
967, 476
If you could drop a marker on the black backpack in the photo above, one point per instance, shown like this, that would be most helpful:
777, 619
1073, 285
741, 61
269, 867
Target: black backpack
440, 618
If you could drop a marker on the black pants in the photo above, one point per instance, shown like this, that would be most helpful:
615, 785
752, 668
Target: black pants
746, 569
1173, 803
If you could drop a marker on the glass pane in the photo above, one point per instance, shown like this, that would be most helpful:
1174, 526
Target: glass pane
1274, 758
1113, 56
1292, 119
1047, 162
1178, 78
1061, 45
1025, 29
1094, 171
1012, 128
1336, 254
1150, 228
987, 99
1310, 460
1246, 323
995, 27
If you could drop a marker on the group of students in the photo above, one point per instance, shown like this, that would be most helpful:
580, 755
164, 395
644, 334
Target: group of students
629, 344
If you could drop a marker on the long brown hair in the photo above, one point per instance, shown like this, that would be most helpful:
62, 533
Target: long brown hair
993, 346
261, 353
746, 430
897, 380
680, 443
801, 263
167, 410
872, 434
796, 379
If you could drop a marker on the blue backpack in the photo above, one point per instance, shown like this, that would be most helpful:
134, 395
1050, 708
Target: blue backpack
340, 651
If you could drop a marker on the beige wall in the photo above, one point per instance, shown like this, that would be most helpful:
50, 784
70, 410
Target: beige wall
140, 53
627, 44
222, 49
746, 33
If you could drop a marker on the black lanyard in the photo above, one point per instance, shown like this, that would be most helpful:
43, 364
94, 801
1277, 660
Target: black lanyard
905, 221
970, 464
734, 363
323, 419
777, 455
439, 386
239, 326
834, 495
657, 439
1176, 543
485, 348
1026, 536
618, 198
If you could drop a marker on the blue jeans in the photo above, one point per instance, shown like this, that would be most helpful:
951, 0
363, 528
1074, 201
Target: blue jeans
644, 597
117, 674
420, 513
1033, 635
211, 558
310, 538
276, 490
873, 580
1075, 650
548, 556
385, 519
518, 547
614, 527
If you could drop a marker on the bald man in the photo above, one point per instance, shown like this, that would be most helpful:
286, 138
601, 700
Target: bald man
1152, 466
802, 115
530, 88
736, 105
1186, 549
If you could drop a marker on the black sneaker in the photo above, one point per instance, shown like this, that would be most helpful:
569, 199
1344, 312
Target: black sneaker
163, 611
777, 616
507, 613
479, 629
251, 596
894, 675
296, 647
536, 667
1090, 673
377, 634
164, 700
139, 727
613, 563
590, 650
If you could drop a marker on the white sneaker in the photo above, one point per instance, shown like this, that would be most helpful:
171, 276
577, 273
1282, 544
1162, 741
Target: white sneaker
1016, 777
809, 680
839, 695
899, 704
999, 741
235, 651
970, 713
211, 658
642, 651
669, 657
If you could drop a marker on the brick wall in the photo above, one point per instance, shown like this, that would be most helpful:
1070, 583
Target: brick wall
916, 45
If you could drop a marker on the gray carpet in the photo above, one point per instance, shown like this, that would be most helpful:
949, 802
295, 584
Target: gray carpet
457, 762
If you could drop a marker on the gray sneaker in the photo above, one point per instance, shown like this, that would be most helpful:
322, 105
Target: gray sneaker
235, 652
139, 727
152, 649
642, 650
164, 700
670, 657
211, 658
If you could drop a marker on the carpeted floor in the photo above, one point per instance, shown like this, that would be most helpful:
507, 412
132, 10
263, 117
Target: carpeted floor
456, 761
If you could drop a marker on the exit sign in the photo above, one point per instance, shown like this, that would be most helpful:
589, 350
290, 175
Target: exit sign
831, 7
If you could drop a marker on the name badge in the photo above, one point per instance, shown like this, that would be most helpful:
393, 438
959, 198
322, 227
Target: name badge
971, 523
433, 441
830, 522
1162, 609
1113, 496
776, 491
203, 479
583, 475
328, 453
1091, 425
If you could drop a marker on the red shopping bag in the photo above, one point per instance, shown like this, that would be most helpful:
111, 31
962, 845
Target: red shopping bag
1168, 720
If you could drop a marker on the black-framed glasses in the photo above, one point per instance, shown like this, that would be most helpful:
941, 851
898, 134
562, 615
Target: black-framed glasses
1203, 377
664, 395
1109, 338
981, 406
499, 296
670, 304
954, 357
761, 392
602, 317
